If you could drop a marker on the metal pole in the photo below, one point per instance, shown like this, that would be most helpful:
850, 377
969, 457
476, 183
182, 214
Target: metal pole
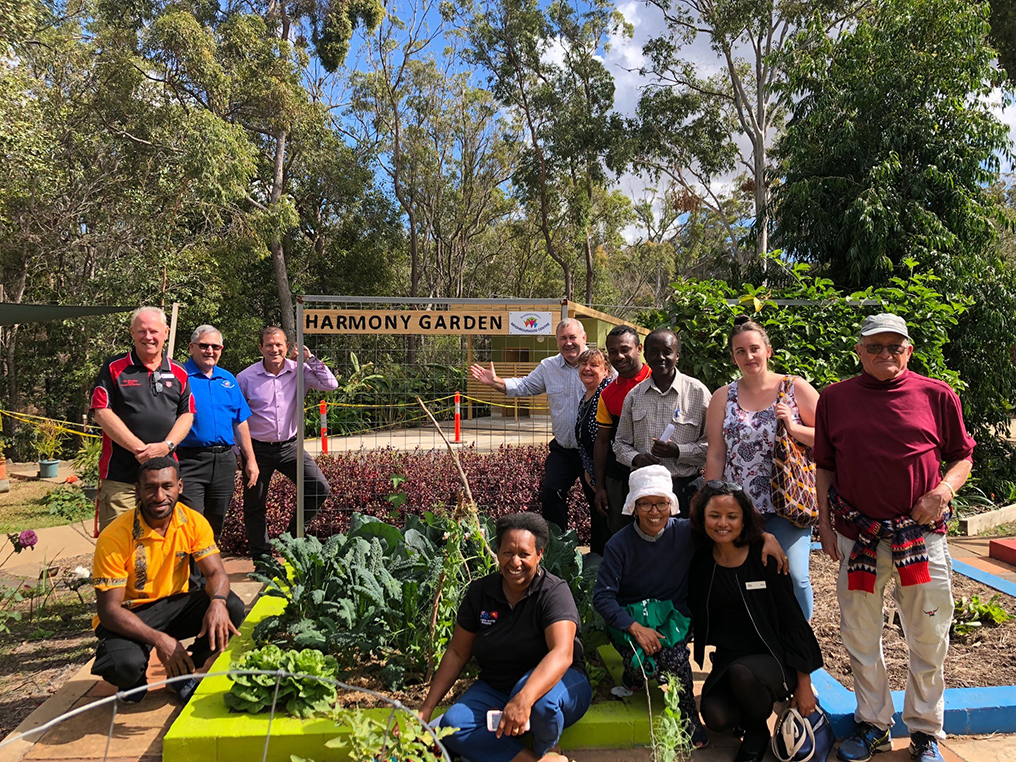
323, 410
300, 391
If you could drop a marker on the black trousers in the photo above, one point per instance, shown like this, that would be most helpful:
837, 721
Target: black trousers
209, 480
124, 662
562, 467
744, 696
281, 457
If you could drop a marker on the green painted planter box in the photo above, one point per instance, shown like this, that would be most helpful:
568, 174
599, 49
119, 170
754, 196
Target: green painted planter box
205, 729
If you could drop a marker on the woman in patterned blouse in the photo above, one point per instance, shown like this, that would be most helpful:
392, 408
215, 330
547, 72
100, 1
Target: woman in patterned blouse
741, 427
594, 370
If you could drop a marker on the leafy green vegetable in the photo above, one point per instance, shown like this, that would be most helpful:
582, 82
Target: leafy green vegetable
299, 696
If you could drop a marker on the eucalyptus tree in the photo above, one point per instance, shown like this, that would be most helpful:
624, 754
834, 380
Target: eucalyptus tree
701, 120
246, 67
564, 107
109, 192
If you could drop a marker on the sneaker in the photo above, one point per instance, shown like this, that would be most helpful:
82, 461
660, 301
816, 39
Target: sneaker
924, 748
866, 740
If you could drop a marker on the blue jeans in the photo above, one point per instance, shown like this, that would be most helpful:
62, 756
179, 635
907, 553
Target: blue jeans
796, 543
561, 706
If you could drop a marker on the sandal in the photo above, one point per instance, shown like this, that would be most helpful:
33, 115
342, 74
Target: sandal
700, 737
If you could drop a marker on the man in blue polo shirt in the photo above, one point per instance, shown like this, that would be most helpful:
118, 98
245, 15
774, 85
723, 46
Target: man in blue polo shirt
207, 459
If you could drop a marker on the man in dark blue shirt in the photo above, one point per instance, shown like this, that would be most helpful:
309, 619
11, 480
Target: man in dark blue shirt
207, 459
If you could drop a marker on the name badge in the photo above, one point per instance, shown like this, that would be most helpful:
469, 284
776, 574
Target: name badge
488, 618
755, 585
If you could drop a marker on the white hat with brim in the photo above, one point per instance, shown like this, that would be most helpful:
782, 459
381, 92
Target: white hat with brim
650, 481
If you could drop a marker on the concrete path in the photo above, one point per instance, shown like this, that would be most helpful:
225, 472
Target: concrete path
55, 544
483, 434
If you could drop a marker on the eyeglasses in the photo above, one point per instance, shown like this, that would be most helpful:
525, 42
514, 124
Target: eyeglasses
719, 484
653, 507
213, 347
876, 349
155, 379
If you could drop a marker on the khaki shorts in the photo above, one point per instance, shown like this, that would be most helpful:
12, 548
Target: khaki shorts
113, 499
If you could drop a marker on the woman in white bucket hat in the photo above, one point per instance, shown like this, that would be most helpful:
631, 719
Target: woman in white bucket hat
644, 573
640, 592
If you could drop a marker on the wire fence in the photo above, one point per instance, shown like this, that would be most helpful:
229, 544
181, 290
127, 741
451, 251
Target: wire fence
121, 698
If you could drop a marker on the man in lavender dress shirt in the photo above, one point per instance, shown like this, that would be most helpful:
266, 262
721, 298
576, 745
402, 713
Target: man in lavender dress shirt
270, 389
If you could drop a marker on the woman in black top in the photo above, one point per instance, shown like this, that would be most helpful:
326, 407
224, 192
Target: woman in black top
521, 624
765, 648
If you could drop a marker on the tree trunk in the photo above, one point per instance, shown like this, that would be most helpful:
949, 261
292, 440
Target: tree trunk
589, 269
278, 256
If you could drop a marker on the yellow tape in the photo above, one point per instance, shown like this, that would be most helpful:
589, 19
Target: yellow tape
464, 398
507, 405
62, 428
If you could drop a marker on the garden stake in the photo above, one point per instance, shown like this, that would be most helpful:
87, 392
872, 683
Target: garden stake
469, 505
271, 714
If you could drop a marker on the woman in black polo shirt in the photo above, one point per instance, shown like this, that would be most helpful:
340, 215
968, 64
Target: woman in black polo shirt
765, 648
521, 624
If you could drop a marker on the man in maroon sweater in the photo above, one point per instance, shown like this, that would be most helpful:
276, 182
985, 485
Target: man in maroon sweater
880, 441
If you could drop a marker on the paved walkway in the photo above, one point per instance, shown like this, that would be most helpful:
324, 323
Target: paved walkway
484, 434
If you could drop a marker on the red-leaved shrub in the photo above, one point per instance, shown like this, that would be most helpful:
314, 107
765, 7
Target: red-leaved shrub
507, 480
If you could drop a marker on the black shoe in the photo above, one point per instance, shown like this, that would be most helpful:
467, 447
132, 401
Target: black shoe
136, 697
753, 747
184, 689
746, 755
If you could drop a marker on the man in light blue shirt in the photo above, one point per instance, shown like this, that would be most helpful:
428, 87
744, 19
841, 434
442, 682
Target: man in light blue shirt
207, 459
558, 377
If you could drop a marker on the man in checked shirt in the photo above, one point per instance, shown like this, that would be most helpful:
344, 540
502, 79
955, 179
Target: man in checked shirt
666, 401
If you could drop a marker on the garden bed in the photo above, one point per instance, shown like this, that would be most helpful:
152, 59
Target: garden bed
206, 729
981, 659
505, 481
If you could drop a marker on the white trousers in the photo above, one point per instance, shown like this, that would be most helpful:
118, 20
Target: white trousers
926, 613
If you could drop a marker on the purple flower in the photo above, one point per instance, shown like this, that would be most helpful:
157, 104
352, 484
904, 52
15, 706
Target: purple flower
27, 539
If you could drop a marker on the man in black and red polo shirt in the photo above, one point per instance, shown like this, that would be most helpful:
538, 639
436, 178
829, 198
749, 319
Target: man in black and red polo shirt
625, 353
143, 403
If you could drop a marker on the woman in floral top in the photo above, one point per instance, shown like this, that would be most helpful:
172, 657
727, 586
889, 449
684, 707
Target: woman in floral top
741, 428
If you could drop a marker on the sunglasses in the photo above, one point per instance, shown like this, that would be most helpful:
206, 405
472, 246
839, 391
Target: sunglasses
213, 347
876, 349
722, 486
156, 381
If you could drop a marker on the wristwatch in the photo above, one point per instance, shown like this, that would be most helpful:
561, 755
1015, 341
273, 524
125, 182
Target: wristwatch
171, 445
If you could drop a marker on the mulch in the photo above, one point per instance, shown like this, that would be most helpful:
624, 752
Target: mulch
984, 658
43, 651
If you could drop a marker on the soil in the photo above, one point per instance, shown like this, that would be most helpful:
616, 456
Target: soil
981, 659
414, 695
45, 648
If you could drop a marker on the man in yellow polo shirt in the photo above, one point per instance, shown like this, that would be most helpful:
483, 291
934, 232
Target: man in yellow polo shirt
141, 576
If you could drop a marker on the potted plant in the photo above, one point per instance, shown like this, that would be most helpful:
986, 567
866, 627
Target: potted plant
47, 444
86, 465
